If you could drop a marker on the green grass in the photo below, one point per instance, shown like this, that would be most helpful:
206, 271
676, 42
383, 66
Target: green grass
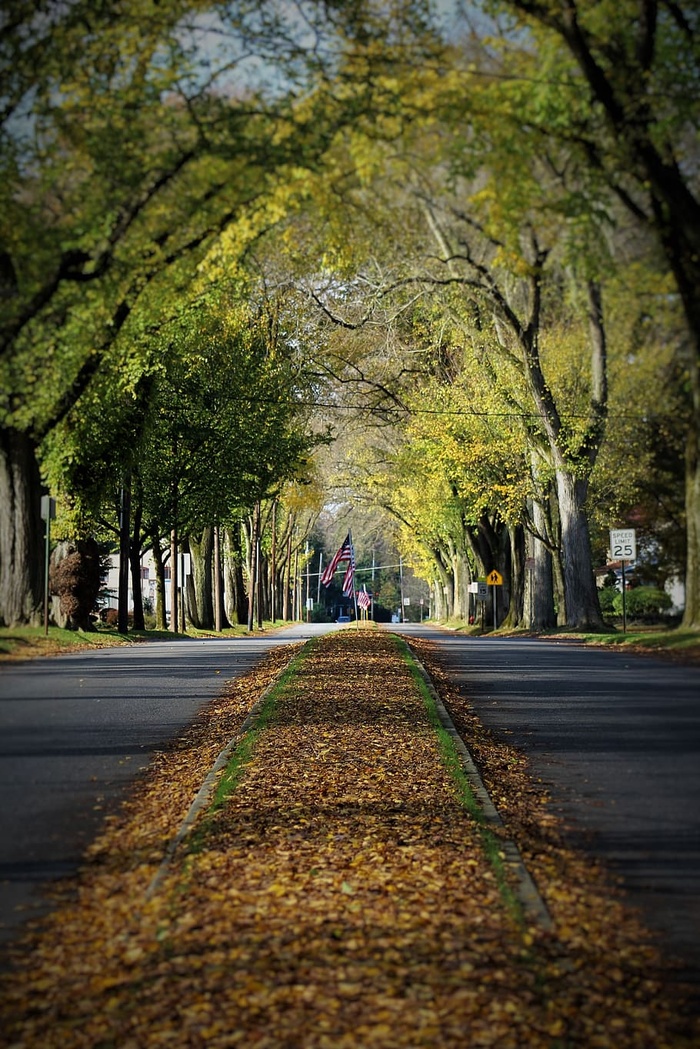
231, 775
29, 642
491, 844
654, 639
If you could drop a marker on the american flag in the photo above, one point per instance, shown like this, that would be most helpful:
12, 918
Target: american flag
345, 553
349, 580
363, 598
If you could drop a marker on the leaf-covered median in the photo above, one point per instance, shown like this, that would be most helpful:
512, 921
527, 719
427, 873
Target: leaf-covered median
336, 895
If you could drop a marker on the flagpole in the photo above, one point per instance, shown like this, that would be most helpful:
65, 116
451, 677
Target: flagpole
354, 590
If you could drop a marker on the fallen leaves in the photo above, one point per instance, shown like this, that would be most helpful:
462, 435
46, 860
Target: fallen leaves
338, 897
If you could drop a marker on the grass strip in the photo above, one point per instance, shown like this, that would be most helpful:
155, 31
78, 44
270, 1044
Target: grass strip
492, 845
256, 724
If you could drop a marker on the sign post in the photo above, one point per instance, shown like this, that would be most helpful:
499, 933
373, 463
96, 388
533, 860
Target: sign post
48, 513
495, 579
623, 547
479, 589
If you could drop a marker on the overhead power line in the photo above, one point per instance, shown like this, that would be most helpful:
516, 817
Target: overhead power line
396, 410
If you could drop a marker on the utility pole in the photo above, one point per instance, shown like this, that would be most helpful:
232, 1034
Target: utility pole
403, 614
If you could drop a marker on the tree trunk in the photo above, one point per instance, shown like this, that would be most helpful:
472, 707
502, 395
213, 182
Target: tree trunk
296, 611
159, 565
273, 566
174, 584
252, 566
124, 554
539, 596
582, 608
21, 531
200, 600
259, 582
234, 581
287, 572
220, 619
442, 589
691, 615
135, 560
516, 596
461, 575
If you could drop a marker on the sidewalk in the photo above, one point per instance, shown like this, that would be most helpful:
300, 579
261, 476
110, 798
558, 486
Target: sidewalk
337, 891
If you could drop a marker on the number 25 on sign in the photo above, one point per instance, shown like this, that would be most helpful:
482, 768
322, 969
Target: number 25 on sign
623, 544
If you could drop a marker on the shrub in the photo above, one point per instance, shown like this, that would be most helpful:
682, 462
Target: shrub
646, 603
76, 578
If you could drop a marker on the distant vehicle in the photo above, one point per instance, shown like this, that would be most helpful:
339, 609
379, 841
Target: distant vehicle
343, 619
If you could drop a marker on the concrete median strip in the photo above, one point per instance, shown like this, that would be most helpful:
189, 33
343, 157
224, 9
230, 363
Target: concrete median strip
534, 908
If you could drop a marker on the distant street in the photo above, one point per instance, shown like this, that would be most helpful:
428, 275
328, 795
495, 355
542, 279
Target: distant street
617, 739
75, 730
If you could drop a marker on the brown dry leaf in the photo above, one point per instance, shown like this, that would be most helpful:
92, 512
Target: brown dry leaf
339, 898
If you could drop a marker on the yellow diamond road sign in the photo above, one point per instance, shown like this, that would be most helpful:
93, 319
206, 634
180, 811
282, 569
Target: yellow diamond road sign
494, 578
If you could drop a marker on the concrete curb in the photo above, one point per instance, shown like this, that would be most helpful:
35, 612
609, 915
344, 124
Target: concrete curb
203, 795
526, 890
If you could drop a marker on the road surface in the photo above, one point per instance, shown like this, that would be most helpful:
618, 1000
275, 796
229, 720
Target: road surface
74, 732
616, 737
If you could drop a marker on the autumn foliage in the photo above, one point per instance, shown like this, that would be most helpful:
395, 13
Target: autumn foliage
337, 893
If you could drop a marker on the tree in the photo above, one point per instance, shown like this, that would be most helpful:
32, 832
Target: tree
121, 170
637, 64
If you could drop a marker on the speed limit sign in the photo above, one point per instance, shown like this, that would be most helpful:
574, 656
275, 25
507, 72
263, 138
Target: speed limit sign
623, 544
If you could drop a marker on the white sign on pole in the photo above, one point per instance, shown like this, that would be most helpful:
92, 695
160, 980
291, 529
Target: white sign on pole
482, 591
48, 508
309, 604
623, 544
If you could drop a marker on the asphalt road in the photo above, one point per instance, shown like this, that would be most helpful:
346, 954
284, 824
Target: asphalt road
74, 732
616, 737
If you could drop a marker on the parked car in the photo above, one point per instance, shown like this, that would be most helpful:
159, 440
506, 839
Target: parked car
343, 619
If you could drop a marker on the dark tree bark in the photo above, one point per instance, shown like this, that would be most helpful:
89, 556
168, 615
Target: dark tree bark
135, 561
159, 565
124, 555
516, 604
21, 530
200, 598
234, 580
540, 613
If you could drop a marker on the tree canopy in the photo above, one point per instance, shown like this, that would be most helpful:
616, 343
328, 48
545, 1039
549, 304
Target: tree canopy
213, 214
